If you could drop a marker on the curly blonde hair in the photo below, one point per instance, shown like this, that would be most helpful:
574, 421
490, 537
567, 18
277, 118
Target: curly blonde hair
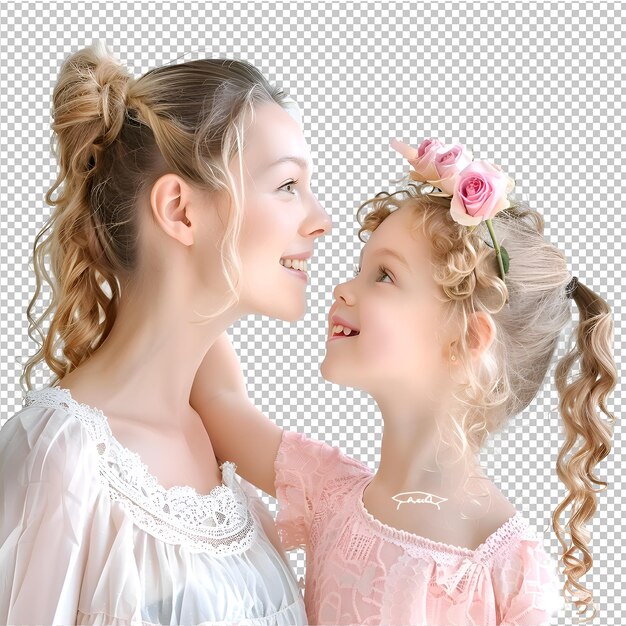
113, 137
528, 327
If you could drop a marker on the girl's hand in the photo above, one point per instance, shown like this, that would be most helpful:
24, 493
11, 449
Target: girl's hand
220, 370
239, 432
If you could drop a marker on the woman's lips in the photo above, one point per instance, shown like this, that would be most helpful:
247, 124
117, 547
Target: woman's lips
302, 275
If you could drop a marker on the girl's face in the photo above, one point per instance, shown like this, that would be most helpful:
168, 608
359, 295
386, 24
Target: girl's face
392, 304
282, 216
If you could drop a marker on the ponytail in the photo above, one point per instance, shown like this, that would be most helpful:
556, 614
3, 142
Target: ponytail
586, 432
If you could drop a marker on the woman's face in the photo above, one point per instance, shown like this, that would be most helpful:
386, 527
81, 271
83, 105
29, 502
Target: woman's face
282, 216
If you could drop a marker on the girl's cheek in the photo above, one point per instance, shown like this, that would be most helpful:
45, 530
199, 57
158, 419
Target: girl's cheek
385, 343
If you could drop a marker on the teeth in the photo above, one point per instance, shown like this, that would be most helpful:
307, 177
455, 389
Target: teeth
338, 329
297, 264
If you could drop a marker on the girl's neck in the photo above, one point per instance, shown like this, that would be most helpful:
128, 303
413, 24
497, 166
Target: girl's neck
412, 460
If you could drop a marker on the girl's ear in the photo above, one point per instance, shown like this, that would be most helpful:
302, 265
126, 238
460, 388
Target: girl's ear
482, 332
169, 198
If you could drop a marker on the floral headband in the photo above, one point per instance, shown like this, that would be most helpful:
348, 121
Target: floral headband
479, 189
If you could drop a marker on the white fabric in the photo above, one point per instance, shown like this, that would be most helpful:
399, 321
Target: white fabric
88, 536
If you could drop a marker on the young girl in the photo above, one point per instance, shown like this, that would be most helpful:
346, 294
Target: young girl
174, 216
452, 333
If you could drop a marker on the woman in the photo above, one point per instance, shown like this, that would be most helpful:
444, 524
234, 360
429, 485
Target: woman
182, 194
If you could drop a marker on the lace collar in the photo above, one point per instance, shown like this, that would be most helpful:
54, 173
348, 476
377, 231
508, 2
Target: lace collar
219, 522
503, 537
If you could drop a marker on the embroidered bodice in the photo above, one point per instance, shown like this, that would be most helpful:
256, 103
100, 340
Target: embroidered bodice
362, 571
218, 522
89, 536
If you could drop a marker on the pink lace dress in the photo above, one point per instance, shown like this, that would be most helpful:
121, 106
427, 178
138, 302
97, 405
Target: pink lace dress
361, 571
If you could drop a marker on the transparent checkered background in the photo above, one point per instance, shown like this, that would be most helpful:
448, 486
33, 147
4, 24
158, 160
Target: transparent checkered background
536, 87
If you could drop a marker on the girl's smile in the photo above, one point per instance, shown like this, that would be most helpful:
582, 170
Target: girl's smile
340, 328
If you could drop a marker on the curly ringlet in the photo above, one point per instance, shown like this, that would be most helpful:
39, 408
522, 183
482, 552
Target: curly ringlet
113, 137
528, 327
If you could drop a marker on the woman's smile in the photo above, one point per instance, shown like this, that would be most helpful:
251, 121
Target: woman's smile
296, 266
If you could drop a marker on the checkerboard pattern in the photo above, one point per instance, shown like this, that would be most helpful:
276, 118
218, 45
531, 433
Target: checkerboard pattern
536, 87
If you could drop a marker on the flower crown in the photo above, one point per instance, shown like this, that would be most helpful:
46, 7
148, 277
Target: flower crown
479, 189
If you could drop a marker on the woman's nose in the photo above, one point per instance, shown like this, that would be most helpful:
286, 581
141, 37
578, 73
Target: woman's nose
320, 219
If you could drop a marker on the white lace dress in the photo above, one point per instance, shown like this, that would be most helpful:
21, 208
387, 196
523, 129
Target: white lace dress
88, 535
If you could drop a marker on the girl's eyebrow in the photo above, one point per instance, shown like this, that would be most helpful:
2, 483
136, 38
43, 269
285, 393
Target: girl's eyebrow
387, 252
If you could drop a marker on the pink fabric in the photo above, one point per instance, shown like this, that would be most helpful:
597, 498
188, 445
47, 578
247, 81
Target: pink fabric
361, 571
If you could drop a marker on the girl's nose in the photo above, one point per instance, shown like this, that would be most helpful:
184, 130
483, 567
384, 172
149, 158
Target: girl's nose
345, 292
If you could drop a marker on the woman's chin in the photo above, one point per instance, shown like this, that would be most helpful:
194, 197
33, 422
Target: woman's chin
295, 316
287, 311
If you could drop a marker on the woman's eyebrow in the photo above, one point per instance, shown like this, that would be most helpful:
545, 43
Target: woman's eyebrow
388, 252
303, 163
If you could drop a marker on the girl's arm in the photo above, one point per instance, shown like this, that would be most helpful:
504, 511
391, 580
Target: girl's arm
239, 432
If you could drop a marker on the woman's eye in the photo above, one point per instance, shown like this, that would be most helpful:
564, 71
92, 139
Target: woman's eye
290, 183
357, 269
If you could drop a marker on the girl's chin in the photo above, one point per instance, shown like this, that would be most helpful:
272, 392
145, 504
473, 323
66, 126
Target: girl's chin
332, 374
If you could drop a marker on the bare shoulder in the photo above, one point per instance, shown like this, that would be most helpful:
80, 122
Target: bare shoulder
495, 511
156, 440
501, 510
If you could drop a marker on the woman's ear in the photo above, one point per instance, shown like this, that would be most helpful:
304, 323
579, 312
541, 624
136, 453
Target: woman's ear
170, 201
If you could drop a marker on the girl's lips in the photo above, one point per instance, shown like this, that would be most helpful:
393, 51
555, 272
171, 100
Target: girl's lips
341, 336
336, 321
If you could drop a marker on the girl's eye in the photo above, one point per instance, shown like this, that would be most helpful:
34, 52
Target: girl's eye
289, 183
381, 272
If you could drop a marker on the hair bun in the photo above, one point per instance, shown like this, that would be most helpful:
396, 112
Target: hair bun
89, 100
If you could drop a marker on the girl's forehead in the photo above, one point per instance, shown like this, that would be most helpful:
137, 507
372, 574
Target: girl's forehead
397, 236
398, 231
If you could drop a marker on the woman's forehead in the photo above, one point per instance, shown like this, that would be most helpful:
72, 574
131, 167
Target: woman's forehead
275, 134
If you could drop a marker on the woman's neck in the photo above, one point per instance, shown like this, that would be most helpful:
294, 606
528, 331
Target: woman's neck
149, 360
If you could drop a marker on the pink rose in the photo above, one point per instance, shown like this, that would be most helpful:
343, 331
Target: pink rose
422, 159
449, 165
479, 193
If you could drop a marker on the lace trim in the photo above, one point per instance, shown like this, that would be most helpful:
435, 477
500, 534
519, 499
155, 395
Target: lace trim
444, 553
219, 522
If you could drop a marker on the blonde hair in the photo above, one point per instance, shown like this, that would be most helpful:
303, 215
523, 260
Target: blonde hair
113, 137
513, 369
